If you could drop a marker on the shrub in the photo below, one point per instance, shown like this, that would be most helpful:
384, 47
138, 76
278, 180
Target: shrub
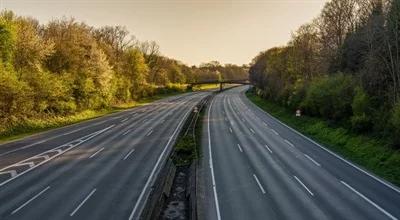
330, 97
361, 107
395, 123
297, 95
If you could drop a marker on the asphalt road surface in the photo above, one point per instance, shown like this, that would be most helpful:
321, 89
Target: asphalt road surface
255, 167
99, 169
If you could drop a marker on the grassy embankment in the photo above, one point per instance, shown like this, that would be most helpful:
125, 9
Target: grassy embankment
373, 154
33, 126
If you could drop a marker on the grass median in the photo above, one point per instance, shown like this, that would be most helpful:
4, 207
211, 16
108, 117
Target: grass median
373, 154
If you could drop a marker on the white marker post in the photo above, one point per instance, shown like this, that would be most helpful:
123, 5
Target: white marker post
298, 113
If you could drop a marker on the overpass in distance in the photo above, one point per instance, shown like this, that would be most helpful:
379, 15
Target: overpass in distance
220, 82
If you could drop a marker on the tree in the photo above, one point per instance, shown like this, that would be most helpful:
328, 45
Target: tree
305, 52
337, 19
7, 41
77, 53
392, 43
30, 49
135, 70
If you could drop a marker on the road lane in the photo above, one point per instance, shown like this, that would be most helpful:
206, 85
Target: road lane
116, 165
300, 179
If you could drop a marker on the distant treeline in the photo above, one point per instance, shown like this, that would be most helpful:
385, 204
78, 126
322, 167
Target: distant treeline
344, 66
66, 66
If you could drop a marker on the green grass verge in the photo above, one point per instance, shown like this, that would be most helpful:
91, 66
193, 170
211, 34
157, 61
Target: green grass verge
371, 153
33, 126
206, 87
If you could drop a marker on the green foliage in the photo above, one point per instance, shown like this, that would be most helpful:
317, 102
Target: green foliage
330, 97
361, 106
365, 46
185, 150
7, 41
395, 122
66, 67
15, 98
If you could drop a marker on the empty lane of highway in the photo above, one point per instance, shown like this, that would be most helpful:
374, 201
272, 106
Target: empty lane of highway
99, 169
277, 173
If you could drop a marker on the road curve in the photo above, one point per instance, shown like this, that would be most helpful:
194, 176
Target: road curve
99, 169
255, 167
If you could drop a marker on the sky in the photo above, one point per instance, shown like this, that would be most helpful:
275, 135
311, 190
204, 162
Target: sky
192, 31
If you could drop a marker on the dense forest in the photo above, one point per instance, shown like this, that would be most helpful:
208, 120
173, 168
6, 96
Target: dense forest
343, 66
65, 66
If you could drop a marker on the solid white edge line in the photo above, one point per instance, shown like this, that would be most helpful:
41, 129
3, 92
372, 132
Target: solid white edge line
369, 201
304, 186
211, 164
30, 200
268, 149
95, 153
155, 168
240, 148
312, 160
129, 153
83, 202
389, 185
259, 184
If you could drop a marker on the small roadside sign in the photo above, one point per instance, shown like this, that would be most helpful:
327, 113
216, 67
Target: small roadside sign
298, 112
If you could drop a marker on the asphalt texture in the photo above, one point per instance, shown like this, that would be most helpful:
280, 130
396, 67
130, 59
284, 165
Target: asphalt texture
98, 169
255, 167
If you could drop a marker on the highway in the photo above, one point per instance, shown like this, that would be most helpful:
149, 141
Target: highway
255, 167
99, 169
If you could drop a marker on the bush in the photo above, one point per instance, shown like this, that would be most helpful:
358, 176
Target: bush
395, 123
330, 97
297, 95
15, 98
361, 107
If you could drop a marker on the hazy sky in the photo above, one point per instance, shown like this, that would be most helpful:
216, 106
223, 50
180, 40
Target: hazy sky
193, 31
